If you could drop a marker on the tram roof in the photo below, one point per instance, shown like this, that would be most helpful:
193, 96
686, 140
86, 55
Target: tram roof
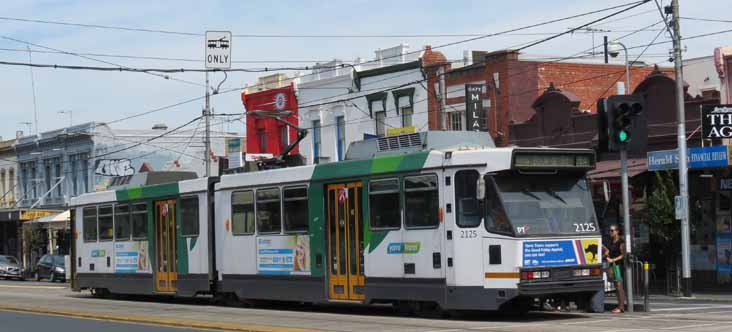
141, 192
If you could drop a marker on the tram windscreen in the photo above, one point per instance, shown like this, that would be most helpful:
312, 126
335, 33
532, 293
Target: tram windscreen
547, 204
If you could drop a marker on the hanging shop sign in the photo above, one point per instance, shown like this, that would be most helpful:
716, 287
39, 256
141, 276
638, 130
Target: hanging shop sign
717, 121
705, 157
474, 114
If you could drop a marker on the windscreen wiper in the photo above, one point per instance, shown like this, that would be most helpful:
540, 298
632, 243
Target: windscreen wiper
530, 194
555, 195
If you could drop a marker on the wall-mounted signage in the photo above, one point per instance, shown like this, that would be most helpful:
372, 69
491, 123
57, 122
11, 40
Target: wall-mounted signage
474, 114
717, 121
712, 156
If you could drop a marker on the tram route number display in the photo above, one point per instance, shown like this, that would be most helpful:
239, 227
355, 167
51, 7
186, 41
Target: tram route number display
284, 255
560, 252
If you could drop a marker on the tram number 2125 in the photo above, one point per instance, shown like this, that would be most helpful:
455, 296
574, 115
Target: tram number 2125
584, 227
468, 234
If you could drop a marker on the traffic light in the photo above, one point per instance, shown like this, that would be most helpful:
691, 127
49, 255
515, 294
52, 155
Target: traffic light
626, 124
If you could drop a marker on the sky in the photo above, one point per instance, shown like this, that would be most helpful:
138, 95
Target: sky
109, 96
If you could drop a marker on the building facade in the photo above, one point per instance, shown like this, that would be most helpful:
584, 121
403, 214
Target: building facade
9, 215
340, 104
268, 112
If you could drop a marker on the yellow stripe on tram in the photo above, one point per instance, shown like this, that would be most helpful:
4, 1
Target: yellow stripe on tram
502, 275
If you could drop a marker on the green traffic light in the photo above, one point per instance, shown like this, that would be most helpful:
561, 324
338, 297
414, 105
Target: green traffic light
623, 136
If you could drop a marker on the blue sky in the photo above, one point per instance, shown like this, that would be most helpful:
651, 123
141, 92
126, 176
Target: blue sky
106, 96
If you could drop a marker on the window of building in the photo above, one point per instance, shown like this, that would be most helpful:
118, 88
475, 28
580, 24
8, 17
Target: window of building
122, 226
139, 221
57, 178
90, 224
269, 216
106, 223
296, 209
242, 212
262, 136
284, 138
421, 201
384, 207
316, 141
47, 176
341, 137
466, 203
2, 185
188, 210
380, 123
11, 184
455, 120
407, 116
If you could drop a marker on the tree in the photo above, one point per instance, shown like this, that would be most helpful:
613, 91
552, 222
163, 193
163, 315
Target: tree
662, 221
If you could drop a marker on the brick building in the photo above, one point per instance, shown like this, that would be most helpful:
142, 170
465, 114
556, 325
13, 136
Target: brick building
512, 85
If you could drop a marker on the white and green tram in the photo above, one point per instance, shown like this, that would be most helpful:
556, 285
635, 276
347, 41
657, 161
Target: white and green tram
437, 219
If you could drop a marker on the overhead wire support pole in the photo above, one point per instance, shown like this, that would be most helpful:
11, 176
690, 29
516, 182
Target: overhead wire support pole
206, 113
683, 167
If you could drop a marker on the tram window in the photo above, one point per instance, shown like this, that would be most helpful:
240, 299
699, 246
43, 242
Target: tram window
139, 221
90, 224
106, 230
384, 207
468, 206
421, 201
189, 216
122, 227
496, 220
296, 209
242, 212
269, 210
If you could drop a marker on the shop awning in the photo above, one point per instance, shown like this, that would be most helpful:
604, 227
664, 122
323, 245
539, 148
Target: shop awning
54, 218
609, 169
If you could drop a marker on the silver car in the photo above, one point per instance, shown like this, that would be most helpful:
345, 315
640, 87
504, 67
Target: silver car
9, 268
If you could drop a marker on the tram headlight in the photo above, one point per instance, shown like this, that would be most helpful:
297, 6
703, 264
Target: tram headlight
581, 273
535, 275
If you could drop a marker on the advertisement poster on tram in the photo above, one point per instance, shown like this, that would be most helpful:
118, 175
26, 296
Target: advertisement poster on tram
561, 252
131, 257
284, 255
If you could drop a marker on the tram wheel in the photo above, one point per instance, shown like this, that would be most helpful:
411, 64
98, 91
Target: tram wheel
101, 293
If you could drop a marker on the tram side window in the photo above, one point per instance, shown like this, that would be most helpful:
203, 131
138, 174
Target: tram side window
269, 216
106, 230
139, 221
296, 209
122, 227
496, 220
189, 216
421, 201
242, 212
468, 206
384, 207
90, 224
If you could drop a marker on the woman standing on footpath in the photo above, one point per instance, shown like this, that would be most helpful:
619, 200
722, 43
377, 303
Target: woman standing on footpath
614, 253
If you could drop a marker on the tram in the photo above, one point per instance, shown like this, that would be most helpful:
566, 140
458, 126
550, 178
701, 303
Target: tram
434, 219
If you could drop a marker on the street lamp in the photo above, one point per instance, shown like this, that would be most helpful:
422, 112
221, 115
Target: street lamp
613, 48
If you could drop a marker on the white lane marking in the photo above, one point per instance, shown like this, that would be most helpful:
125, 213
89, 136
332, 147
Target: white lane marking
450, 330
590, 321
623, 330
508, 326
693, 308
686, 326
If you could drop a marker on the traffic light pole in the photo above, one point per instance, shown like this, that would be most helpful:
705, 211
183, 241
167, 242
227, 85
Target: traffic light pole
683, 167
627, 228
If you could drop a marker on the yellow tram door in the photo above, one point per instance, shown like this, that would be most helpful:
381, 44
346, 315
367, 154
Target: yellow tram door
165, 258
345, 242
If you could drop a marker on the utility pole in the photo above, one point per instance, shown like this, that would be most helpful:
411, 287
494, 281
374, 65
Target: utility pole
206, 113
683, 167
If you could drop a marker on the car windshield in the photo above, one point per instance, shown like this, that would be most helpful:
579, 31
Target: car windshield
8, 260
547, 204
58, 260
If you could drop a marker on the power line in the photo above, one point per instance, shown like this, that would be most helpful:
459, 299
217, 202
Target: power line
167, 77
705, 19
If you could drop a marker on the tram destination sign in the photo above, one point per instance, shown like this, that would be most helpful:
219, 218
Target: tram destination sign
544, 160
218, 49
717, 121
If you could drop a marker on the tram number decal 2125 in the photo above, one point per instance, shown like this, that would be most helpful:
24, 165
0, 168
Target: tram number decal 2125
584, 227
468, 234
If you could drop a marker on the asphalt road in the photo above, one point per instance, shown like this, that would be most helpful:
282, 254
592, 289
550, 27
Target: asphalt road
56, 299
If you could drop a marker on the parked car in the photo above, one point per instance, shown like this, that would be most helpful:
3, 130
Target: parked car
51, 267
9, 268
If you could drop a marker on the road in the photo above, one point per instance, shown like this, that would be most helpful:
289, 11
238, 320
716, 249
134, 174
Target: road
55, 302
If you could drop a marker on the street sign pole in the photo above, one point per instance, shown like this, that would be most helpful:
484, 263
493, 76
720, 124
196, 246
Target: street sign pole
217, 56
681, 137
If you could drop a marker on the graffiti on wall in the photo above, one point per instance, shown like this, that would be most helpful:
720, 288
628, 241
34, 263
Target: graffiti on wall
114, 167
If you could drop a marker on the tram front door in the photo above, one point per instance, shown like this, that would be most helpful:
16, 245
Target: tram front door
345, 242
165, 257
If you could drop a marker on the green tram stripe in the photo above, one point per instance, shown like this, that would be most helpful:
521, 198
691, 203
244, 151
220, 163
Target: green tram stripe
148, 192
